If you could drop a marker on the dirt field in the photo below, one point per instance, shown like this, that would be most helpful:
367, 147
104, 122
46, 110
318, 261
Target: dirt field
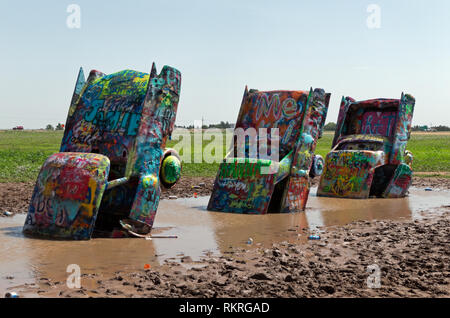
435, 133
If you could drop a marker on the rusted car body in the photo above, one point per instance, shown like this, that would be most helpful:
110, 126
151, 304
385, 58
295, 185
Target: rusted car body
106, 178
253, 183
369, 156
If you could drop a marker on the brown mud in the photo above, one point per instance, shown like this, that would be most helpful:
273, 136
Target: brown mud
413, 259
406, 239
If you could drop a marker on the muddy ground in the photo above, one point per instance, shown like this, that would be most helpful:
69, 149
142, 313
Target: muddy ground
15, 197
413, 257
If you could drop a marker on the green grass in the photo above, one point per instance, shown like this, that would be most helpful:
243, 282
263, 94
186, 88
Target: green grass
23, 152
324, 144
431, 152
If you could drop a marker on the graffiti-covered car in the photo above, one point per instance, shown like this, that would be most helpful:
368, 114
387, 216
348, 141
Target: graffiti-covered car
369, 156
106, 178
273, 178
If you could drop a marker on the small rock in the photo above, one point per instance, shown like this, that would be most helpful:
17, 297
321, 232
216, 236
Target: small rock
186, 259
276, 253
329, 289
288, 279
232, 267
260, 276
290, 289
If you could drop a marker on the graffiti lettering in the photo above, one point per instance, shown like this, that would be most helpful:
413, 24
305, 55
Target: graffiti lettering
112, 120
378, 123
264, 104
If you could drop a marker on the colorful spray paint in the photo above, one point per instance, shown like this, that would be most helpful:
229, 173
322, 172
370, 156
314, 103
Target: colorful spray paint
241, 186
369, 156
108, 168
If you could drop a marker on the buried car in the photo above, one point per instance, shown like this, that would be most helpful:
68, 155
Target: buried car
369, 156
106, 178
275, 178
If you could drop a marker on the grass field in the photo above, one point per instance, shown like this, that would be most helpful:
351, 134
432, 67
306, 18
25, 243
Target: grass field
23, 152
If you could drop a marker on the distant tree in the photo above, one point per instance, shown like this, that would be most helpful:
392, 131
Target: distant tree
330, 127
221, 125
441, 128
49, 127
229, 125
419, 128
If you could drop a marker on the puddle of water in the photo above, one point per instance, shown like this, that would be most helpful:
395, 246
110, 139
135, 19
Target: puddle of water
199, 232
325, 211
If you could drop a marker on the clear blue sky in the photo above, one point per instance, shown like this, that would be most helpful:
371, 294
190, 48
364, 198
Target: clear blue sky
220, 46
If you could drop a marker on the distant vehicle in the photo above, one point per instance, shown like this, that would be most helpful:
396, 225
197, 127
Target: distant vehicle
369, 156
18, 128
106, 180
